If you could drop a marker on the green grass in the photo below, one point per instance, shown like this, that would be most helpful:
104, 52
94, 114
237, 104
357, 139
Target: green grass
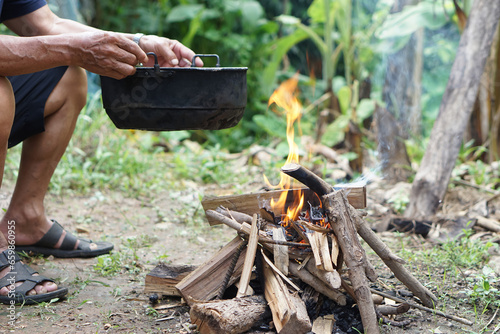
124, 260
456, 270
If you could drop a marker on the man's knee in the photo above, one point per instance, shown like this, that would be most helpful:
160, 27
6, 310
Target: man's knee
77, 80
71, 91
8, 103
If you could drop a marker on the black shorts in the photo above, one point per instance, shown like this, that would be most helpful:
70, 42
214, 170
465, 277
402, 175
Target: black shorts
31, 92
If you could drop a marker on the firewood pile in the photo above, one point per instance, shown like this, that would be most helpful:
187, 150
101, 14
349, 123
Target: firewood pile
276, 257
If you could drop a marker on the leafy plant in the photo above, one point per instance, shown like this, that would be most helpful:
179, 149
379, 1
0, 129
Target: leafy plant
399, 202
484, 289
125, 260
467, 252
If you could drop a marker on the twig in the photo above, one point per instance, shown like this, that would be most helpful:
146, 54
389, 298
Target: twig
168, 307
284, 243
315, 227
447, 316
467, 184
164, 319
390, 322
496, 329
491, 320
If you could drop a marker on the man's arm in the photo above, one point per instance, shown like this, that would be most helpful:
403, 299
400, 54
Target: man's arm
50, 41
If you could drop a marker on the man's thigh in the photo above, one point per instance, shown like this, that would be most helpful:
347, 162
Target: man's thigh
31, 92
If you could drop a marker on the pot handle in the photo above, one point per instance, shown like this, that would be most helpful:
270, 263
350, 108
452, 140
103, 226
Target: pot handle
156, 66
193, 64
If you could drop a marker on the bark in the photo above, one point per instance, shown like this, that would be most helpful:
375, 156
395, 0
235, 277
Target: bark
231, 316
494, 152
431, 181
354, 257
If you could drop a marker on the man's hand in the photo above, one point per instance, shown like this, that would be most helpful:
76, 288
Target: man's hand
106, 53
171, 53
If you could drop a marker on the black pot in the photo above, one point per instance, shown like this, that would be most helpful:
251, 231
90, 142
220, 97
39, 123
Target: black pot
166, 99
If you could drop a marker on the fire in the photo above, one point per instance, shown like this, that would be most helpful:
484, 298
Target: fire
285, 97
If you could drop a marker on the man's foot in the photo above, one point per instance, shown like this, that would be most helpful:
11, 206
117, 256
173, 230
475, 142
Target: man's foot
19, 284
69, 247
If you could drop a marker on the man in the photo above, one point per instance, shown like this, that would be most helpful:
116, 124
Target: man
42, 90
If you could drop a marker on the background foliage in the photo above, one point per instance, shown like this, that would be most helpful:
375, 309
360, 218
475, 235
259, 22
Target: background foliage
276, 39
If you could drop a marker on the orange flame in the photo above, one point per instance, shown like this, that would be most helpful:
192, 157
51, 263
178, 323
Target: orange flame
285, 97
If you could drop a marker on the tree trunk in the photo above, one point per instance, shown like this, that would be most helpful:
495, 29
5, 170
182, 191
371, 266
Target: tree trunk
431, 181
494, 151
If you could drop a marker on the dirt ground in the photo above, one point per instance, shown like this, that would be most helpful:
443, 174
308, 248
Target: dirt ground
144, 233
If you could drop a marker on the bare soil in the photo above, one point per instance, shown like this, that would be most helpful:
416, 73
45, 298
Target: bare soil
147, 231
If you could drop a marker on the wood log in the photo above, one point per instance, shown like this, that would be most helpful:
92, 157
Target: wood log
331, 278
240, 217
288, 310
308, 278
250, 203
324, 325
230, 316
305, 176
325, 251
313, 241
354, 257
377, 300
335, 250
163, 279
488, 223
249, 258
277, 271
203, 283
393, 309
280, 252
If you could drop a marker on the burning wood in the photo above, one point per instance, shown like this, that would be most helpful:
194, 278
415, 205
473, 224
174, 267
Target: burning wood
318, 240
309, 233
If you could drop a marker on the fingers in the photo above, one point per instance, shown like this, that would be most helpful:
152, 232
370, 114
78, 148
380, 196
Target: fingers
131, 48
185, 53
171, 53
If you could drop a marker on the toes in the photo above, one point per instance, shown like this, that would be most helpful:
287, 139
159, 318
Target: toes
4, 291
39, 289
50, 286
